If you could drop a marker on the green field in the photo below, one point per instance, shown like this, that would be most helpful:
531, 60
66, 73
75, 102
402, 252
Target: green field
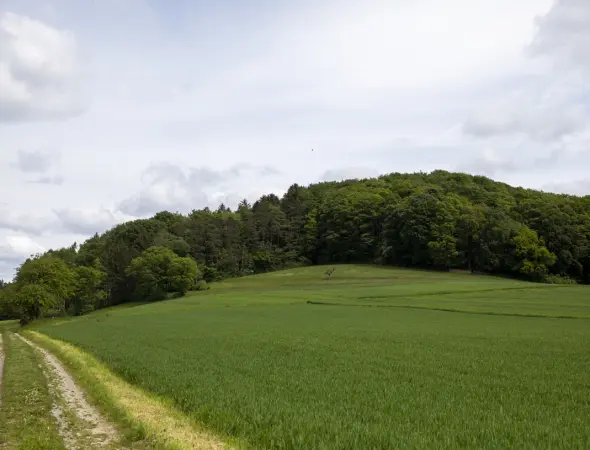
374, 358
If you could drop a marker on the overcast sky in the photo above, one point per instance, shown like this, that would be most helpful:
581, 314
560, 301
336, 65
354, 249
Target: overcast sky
116, 109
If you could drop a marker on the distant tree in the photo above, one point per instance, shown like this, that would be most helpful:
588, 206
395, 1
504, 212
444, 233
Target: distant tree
159, 271
210, 274
32, 300
421, 229
532, 257
329, 272
68, 255
177, 244
51, 273
8, 309
438, 219
119, 246
201, 285
89, 292
182, 275
90, 250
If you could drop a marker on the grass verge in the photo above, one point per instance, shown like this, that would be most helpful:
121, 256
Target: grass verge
143, 416
26, 421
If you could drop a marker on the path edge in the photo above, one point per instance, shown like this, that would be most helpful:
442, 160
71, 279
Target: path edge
141, 415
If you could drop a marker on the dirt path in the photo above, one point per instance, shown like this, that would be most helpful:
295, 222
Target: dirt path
1, 367
80, 424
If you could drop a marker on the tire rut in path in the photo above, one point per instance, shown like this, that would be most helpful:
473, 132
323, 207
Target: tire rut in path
90, 429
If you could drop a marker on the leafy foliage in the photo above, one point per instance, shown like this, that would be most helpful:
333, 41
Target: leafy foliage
89, 291
8, 308
32, 299
438, 220
201, 285
159, 271
50, 272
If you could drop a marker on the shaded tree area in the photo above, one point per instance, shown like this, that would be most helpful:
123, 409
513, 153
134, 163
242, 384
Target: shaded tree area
437, 220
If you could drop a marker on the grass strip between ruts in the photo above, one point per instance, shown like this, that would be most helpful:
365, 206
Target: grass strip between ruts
26, 422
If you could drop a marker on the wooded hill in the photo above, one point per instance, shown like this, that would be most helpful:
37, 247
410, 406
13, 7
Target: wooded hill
438, 220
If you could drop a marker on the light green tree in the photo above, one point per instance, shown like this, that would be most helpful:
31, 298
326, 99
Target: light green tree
51, 273
32, 300
158, 271
533, 258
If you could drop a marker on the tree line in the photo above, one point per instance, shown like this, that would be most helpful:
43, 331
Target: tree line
438, 220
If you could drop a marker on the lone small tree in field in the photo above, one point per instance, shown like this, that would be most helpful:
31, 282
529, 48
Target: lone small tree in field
329, 272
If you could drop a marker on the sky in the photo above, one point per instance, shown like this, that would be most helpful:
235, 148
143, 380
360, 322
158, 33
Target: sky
112, 110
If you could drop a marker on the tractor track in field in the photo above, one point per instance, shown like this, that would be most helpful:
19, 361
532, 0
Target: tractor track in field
80, 424
449, 310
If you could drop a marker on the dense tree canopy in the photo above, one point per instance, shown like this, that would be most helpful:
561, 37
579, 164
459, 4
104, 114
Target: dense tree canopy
439, 220
159, 271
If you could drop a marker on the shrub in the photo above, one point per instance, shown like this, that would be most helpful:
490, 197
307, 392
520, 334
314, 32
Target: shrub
32, 300
559, 279
159, 271
201, 285
210, 274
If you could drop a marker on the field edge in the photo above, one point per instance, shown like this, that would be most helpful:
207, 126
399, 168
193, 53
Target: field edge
141, 416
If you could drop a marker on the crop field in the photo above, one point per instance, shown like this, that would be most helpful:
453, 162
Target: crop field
373, 358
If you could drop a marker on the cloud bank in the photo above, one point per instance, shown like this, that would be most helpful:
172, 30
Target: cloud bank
186, 107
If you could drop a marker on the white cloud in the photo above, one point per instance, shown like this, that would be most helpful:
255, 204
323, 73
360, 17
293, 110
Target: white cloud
547, 113
168, 186
572, 187
81, 221
39, 70
349, 173
25, 222
373, 87
488, 163
56, 180
18, 246
35, 161
567, 157
88, 221
564, 35
13, 250
367, 47
542, 119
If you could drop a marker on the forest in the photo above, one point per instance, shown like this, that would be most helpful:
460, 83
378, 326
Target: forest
438, 220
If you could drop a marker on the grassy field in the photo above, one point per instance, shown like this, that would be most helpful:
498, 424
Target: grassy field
374, 358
